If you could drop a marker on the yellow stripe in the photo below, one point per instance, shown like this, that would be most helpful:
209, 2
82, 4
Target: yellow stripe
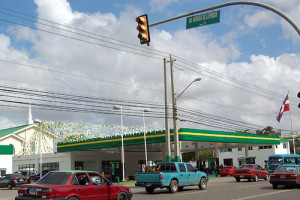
228, 136
112, 140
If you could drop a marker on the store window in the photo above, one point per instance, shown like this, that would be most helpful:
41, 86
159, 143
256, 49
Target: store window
26, 167
78, 165
53, 166
2, 172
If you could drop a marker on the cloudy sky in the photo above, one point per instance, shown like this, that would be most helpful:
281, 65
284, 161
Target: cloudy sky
89, 50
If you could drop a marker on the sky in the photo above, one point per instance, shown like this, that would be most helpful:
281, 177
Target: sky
247, 63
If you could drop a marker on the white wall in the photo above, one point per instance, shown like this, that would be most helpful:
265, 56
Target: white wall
6, 163
260, 154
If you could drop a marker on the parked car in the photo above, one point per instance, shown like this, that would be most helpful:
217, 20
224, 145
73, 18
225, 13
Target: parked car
73, 185
36, 176
227, 170
27, 174
250, 172
287, 175
12, 180
172, 175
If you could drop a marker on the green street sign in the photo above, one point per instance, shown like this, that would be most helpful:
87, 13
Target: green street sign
203, 19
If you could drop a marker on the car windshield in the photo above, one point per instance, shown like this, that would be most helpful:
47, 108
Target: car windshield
55, 178
246, 167
287, 169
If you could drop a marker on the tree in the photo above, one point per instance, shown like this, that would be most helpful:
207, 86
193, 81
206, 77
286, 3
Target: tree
268, 131
203, 155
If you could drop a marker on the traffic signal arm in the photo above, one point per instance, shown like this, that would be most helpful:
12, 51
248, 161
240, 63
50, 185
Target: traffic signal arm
143, 28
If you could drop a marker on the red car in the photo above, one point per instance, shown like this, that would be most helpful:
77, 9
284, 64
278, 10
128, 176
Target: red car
287, 175
249, 172
227, 170
73, 185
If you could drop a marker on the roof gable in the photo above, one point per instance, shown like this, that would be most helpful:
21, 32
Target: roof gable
5, 132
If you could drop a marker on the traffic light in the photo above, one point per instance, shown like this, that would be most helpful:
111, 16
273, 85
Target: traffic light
298, 97
143, 28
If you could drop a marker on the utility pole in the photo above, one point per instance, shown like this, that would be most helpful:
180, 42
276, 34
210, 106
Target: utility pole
167, 128
175, 122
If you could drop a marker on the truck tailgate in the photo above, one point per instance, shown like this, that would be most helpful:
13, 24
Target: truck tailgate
151, 177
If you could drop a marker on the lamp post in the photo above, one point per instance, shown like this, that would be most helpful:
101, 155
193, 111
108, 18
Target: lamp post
122, 147
174, 101
37, 121
145, 141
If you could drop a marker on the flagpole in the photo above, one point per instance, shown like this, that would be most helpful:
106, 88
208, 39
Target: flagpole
292, 129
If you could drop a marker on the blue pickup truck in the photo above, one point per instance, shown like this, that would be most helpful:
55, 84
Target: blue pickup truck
171, 175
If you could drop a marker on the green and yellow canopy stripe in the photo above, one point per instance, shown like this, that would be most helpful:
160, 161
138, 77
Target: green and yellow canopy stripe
185, 134
228, 137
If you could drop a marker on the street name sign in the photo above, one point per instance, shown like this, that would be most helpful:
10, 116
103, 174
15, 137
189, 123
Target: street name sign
203, 19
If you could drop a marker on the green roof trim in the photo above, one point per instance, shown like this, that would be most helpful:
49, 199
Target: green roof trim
5, 132
185, 134
6, 149
284, 140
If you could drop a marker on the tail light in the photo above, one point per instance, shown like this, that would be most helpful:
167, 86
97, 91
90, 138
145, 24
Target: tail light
161, 177
26, 179
15, 180
22, 191
45, 193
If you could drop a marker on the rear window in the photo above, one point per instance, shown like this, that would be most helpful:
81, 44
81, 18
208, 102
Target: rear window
290, 169
56, 178
167, 167
227, 167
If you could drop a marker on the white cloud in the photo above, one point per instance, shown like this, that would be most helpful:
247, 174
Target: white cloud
158, 5
54, 52
261, 18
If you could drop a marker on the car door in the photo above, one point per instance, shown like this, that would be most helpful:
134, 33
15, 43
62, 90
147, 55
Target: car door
259, 171
183, 175
100, 185
192, 178
83, 187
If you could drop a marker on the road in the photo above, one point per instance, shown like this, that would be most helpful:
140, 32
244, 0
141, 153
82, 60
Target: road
221, 188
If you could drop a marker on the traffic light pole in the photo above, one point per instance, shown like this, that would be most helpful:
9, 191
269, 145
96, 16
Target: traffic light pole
278, 12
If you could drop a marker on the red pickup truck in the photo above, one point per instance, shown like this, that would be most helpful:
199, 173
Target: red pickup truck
250, 172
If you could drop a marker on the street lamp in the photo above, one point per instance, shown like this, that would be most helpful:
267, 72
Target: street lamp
175, 120
145, 141
117, 107
39, 122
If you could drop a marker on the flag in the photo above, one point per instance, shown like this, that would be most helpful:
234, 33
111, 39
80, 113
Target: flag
285, 107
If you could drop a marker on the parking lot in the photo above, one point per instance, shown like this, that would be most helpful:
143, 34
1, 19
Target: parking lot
224, 188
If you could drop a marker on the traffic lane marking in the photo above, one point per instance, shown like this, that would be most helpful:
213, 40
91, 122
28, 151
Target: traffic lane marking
261, 195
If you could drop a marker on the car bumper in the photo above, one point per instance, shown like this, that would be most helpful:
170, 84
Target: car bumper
33, 198
284, 182
155, 185
244, 176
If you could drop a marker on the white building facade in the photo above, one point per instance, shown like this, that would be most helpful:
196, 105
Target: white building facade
236, 156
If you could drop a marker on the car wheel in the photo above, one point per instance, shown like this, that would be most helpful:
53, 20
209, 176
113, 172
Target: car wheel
122, 196
149, 189
255, 178
275, 186
202, 183
9, 186
72, 198
238, 180
173, 186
